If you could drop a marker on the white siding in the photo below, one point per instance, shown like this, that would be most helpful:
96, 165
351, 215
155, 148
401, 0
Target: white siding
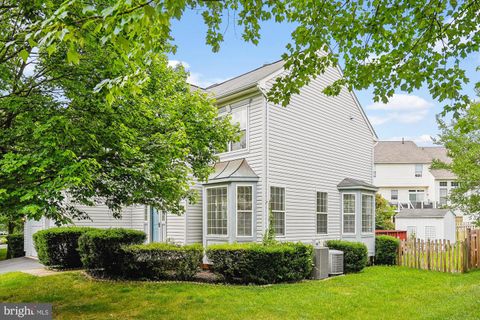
176, 231
315, 143
101, 217
444, 227
194, 218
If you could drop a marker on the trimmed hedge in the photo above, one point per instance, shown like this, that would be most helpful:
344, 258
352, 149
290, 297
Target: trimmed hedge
355, 254
15, 245
386, 249
261, 264
101, 249
157, 261
58, 247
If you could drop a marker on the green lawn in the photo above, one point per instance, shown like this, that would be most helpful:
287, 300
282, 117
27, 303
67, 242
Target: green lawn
3, 254
376, 293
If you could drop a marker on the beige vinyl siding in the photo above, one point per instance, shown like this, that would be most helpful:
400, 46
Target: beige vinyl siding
315, 143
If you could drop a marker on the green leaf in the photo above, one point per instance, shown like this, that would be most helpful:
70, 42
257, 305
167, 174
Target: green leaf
24, 55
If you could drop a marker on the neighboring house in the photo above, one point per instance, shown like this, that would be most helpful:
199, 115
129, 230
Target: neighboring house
403, 175
310, 163
427, 224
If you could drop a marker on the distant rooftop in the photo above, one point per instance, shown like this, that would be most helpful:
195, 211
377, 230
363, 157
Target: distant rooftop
408, 152
422, 213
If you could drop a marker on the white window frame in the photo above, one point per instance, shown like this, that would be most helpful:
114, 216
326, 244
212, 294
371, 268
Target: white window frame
391, 194
434, 232
206, 211
284, 209
418, 174
318, 212
354, 214
228, 111
443, 203
373, 213
252, 211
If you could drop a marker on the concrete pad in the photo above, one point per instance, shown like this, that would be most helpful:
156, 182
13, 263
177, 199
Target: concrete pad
20, 264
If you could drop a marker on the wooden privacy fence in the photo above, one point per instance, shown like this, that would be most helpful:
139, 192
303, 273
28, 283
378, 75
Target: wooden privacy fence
441, 255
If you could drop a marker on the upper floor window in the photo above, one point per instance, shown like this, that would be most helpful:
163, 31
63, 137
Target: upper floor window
322, 216
394, 194
418, 170
348, 213
454, 184
239, 116
443, 183
277, 205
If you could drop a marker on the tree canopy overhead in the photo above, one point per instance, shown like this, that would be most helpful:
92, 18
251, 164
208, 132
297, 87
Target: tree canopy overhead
386, 45
63, 143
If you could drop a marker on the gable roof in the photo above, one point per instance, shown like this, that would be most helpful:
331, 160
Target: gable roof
422, 213
350, 183
245, 80
400, 152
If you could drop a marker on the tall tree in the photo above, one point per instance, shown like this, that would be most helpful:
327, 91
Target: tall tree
63, 143
386, 45
462, 140
383, 213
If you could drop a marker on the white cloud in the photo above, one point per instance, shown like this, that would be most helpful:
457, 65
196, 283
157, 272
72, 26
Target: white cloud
402, 108
195, 78
421, 140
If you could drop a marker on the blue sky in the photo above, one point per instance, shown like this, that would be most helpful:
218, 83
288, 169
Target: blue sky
406, 115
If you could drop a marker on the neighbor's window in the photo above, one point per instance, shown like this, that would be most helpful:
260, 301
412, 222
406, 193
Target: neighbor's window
217, 211
244, 211
348, 213
443, 183
367, 213
418, 170
394, 194
443, 196
322, 209
277, 205
454, 184
430, 233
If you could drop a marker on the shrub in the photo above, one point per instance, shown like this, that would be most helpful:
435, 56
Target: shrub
100, 249
15, 245
156, 261
355, 254
261, 264
386, 249
58, 247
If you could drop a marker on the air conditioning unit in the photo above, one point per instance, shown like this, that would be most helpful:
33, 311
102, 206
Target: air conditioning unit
321, 268
336, 262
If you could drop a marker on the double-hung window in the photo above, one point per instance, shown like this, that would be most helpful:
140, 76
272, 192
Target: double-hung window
367, 213
217, 211
348, 213
244, 211
394, 194
240, 117
277, 205
322, 212
418, 170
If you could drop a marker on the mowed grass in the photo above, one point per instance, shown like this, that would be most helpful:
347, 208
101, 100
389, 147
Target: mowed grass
375, 293
3, 254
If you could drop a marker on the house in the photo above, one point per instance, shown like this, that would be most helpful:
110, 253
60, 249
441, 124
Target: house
310, 163
427, 224
403, 175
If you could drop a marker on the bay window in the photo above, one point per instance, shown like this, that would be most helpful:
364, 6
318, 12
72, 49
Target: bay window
349, 213
244, 211
367, 212
217, 211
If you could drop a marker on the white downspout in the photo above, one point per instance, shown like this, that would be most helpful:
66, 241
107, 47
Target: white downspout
265, 157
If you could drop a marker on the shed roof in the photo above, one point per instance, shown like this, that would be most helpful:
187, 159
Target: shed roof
350, 183
422, 213
238, 170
